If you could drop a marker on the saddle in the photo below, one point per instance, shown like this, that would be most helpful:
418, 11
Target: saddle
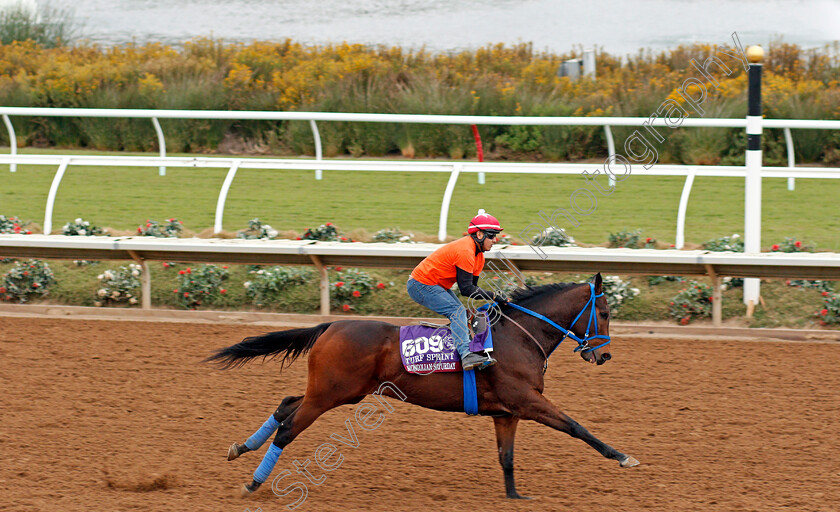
477, 324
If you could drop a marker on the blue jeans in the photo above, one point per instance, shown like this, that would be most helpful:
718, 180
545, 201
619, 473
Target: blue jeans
447, 304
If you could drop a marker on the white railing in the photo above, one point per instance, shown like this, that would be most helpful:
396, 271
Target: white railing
453, 168
511, 259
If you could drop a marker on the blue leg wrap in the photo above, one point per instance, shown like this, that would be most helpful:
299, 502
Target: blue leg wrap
267, 465
261, 435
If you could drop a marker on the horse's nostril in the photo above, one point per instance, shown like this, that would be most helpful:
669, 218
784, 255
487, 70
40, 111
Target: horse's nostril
606, 357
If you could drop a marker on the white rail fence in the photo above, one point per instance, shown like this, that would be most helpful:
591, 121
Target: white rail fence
512, 259
453, 168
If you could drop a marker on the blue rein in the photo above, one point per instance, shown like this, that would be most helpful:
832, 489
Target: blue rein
583, 343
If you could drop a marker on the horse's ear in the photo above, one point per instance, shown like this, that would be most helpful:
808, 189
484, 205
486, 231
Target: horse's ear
596, 280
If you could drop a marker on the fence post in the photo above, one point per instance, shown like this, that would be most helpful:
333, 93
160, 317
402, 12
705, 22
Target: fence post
12, 140
220, 204
161, 144
48, 214
689, 182
325, 284
447, 198
318, 152
752, 194
610, 150
791, 157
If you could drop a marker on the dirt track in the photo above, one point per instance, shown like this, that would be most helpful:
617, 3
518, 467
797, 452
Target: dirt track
122, 416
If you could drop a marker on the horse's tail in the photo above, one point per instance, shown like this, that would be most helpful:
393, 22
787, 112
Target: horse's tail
292, 343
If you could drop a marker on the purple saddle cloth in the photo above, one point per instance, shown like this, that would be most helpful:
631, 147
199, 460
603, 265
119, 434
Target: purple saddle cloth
426, 350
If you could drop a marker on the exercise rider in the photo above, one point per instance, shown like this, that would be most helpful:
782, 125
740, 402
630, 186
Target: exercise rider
459, 261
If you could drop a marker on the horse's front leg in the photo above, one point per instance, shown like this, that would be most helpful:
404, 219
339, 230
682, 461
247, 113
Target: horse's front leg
538, 408
505, 433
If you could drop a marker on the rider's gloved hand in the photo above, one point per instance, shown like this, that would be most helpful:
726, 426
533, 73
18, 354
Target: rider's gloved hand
501, 298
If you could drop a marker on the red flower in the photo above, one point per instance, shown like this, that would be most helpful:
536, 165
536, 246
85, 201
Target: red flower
165, 265
189, 270
338, 269
787, 282
381, 286
175, 291
775, 247
17, 229
824, 294
169, 220
339, 284
328, 224
343, 239
182, 272
648, 240
824, 312
29, 232
25, 273
672, 245
357, 293
685, 320
224, 266
797, 243
2, 289
222, 291
711, 299
148, 224
139, 230
346, 307
35, 285
186, 294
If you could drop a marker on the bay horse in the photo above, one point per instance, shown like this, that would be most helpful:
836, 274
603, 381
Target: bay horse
508, 392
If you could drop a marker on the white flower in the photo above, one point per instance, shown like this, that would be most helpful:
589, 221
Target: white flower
86, 223
132, 301
272, 233
115, 294
78, 220
135, 272
108, 274
635, 291
247, 284
100, 277
736, 235
82, 232
260, 271
102, 292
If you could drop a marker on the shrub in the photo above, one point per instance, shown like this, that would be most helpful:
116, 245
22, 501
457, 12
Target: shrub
350, 286
732, 243
267, 284
695, 300
257, 230
555, 237
13, 225
655, 280
393, 236
172, 229
26, 280
627, 239
830, 313
325, 233
823, 286
617, 292
791, 245
117, 285
80, 227
201, 285
46, 26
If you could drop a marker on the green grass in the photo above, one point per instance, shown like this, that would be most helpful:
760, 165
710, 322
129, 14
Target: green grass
122, 198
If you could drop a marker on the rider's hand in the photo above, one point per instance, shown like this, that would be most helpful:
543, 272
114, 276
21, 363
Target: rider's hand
501, 298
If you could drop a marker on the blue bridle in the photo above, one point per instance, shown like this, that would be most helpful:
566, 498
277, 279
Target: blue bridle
583, 343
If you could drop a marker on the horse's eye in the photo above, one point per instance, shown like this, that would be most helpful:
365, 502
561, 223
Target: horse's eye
605, 315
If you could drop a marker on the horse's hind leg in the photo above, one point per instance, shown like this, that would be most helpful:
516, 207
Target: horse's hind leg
539, 409
296, 423
286, 408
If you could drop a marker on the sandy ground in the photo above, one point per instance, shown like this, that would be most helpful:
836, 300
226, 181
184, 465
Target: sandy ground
98, 415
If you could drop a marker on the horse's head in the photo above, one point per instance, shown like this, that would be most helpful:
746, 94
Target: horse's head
592, 326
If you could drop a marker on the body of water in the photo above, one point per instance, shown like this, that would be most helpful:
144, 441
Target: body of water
618, 26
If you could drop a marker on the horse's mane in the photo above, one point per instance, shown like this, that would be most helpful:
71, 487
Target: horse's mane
533, 294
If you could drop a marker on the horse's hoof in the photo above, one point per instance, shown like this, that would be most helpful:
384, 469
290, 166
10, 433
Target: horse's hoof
233, 451
629, 462
249, 489
517, 496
